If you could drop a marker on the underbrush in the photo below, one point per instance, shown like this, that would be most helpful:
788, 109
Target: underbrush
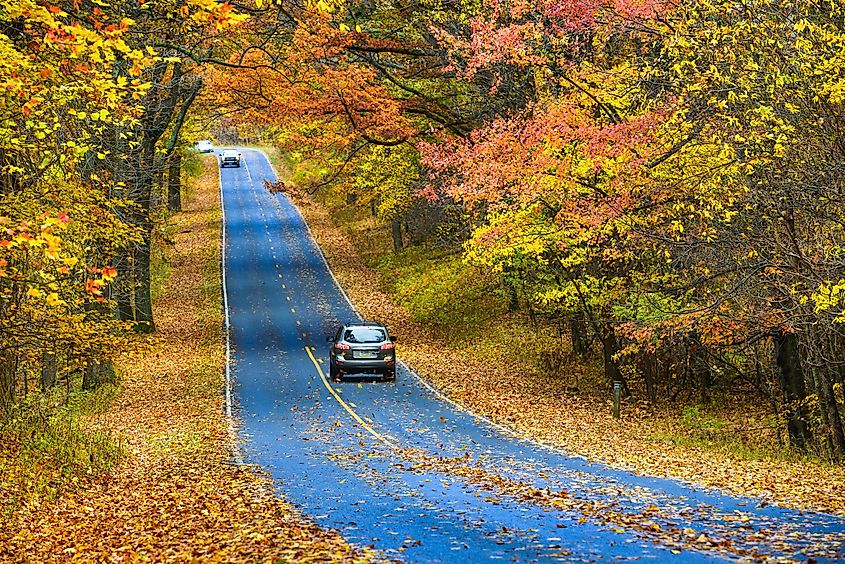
47, 445
440, 290
723, 426
52, 441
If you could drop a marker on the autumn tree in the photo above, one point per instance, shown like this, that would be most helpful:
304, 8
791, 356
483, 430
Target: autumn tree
60, 229
679, 199
140, 150
94, 102
757, 234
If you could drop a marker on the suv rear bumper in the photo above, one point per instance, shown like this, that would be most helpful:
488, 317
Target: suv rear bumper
368, 365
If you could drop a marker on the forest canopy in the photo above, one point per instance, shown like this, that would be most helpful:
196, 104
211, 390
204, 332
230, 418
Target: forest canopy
661, 179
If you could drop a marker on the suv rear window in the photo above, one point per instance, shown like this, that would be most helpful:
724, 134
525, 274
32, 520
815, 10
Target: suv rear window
364, 335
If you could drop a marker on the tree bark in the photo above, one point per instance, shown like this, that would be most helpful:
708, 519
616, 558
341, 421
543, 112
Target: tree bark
700, 369
830, 413
157, 189
97, 373
133, 297
611, 369
793, 389
142, 294
396, 231
174, 183
90, 376
49, 368
578, 331
648, 367
8, 368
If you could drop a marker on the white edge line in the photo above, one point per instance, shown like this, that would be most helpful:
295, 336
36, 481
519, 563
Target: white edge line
233, 435
437, 393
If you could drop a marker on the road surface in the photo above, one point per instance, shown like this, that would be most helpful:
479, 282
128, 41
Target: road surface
396, 467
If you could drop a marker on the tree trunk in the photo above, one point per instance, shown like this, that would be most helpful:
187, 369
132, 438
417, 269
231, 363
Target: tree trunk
578, 331
8, 368
174, 183
96, 374
648, 366
133, 295
830, 413
611, 369
396, 231
49, 368
90, 379
132, 292
792, 387
700, 368
122, 287
157, 189
142, 296
510, 289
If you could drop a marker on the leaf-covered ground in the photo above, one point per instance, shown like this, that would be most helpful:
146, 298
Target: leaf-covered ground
175, 495
537, 406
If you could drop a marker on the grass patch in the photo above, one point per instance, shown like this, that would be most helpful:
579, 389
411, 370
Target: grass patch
159, 272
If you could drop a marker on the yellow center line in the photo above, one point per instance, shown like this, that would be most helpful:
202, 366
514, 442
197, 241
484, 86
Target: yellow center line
345, 405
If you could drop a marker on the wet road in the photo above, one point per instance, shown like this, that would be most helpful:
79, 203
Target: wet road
396, 467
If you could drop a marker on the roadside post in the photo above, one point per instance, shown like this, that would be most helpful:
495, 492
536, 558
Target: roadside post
617, 395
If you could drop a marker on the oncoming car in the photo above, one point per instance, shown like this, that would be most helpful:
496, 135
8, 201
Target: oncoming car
230, 157
366, 347
205, 146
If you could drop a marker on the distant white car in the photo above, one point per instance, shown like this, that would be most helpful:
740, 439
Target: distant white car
205, 146
230, 157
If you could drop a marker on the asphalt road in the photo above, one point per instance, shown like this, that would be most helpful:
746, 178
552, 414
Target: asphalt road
396, 467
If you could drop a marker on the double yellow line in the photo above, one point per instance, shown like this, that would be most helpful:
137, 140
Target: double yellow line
345, 405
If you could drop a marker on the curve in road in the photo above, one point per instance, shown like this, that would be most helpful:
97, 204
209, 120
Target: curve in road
396, 467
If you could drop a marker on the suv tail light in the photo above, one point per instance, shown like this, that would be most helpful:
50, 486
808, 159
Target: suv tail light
342, 346
387, 346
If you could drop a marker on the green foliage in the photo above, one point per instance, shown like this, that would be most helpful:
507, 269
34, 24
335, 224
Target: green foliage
385, 177
438, 289
192, 164
159, 270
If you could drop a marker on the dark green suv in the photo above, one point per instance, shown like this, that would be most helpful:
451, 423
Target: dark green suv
365, 347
